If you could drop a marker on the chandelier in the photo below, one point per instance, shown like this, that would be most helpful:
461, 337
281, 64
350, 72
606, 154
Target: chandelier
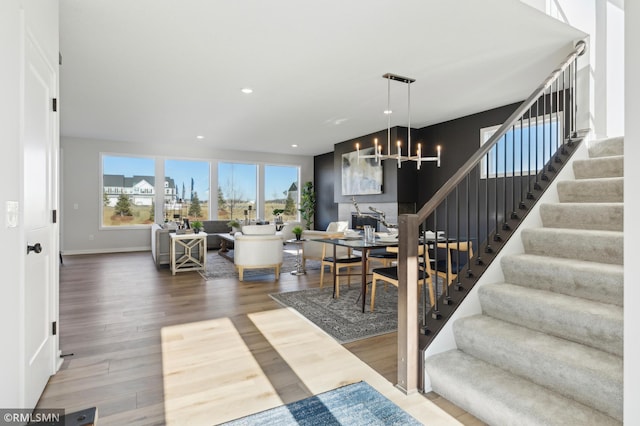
378, 154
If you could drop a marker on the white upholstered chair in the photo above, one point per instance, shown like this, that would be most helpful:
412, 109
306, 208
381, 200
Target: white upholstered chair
286, 232
257, 247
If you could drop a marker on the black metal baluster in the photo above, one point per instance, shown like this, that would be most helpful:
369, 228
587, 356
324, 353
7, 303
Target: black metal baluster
469, 273
514, 214
478, 178
436, 312
563, 133
458, 286
522, 205
488, 248
496, 235
447, 297
544, 176
536, 184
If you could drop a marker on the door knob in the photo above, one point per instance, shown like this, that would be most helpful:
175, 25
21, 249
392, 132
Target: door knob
36, 247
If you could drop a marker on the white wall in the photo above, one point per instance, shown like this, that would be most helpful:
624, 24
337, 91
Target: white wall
42, 20
80, 185
603, 20
631, 215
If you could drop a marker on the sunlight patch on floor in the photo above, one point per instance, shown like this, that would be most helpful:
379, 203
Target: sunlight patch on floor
210, 376
323, 364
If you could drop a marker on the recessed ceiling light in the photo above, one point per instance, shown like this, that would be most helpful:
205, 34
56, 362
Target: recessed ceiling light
295, 145
388, 111
247, 90
199, 137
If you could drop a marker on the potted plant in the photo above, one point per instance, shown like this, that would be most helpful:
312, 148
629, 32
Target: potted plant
196, 226
276, 215
307, 204
235, 226
297, 231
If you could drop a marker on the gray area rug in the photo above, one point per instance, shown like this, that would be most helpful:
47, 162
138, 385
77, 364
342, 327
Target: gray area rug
219, 267
356, 404
343, 318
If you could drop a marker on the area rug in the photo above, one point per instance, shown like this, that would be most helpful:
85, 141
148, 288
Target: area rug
343, 318
219, 267
353, 405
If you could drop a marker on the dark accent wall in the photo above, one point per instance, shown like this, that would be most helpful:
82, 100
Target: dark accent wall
326, 208
458, 139
411, 188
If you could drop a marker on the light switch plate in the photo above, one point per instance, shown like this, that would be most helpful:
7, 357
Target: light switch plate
13, 210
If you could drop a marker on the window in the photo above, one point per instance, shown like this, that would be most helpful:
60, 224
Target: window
281, 185
237, 191
547, 137
127, 191
186, 190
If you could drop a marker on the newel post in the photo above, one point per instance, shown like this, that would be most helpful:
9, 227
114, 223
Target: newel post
408, 353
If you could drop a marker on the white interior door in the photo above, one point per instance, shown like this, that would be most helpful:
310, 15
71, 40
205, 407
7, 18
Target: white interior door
38, 143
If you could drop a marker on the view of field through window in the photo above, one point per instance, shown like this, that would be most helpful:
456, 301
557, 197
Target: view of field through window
129, 191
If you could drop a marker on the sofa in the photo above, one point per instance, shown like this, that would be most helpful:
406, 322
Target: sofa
313, 249
160, 239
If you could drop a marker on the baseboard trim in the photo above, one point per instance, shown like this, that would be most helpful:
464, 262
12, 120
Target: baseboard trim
104, 251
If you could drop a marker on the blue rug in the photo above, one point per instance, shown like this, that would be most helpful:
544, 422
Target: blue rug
353, 405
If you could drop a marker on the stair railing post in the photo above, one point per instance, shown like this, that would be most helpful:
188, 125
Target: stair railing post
408, 351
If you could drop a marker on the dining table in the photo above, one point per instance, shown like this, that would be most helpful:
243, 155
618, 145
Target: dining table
364, 247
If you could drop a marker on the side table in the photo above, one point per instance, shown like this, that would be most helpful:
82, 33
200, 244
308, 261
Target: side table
299, 265
195, 252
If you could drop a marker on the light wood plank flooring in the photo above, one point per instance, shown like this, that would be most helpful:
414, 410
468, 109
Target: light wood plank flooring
147, 347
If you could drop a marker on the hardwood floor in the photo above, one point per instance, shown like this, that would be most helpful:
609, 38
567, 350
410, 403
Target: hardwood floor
147, 347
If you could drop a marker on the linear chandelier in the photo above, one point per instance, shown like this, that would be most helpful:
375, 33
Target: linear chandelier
377, 151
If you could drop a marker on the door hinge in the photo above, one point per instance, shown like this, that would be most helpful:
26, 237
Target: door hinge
54, 216
54, 328
54, 104
59, 58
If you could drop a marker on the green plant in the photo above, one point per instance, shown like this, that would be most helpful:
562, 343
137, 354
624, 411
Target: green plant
196, 225
297, 231
307, 204
233, 224
277, 212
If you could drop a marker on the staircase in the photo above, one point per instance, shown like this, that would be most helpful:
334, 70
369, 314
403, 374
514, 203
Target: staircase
547, 348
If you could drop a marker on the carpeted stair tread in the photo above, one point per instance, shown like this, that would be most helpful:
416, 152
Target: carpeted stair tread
580, 244
598, 325
588, 375
501, 398
606, 147
600, 190
600, 282
602, 167
602, 216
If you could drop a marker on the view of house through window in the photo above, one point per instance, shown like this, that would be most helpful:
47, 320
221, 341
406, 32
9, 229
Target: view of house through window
281, 192
536, 143
127, 191
237, 191
186, 190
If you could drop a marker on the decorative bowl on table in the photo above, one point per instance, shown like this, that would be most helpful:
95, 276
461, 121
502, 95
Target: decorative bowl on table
351, 234
387, 237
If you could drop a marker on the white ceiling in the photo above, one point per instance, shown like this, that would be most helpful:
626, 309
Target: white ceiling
164, 71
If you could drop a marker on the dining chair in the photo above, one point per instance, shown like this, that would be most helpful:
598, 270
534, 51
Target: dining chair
344, 260
457, 255
390, 275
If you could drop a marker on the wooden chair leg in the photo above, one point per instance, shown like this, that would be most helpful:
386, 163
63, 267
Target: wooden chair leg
373, 293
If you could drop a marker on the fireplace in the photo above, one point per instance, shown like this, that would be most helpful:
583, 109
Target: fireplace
358, 222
